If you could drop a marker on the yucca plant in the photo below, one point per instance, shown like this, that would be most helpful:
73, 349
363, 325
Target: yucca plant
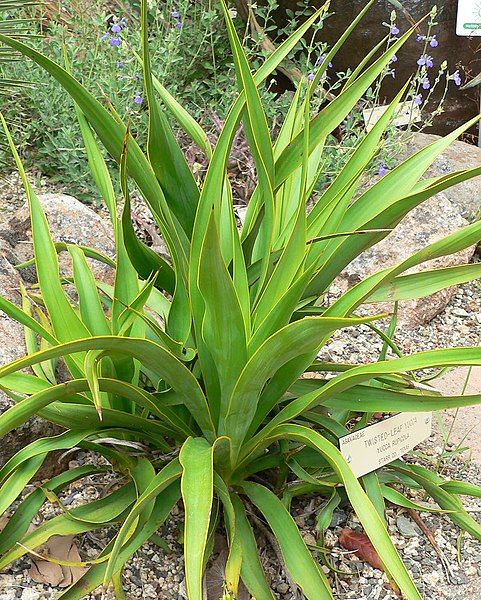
199, 360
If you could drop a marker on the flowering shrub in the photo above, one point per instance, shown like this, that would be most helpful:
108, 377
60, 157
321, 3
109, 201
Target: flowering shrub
197, 360
104, 60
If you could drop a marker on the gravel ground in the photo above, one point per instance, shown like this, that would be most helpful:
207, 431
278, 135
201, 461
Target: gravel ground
153, 573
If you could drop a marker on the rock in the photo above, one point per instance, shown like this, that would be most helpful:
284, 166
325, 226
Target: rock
12, 346
407, 528
466, 196
282, 588
30, 594
182, 590
309, 539
339, 517
432, 220
70, 221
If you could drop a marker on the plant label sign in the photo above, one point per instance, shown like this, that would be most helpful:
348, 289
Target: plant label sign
405, 113
377, 445
468, 23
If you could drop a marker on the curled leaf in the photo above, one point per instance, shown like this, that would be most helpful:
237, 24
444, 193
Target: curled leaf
362, 547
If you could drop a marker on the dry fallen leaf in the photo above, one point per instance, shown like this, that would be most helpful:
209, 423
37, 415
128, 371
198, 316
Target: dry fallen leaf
43, 571
60, 548
361, 545
3, 522
215, 574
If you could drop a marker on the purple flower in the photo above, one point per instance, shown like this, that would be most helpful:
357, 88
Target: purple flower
104, 37
394, 29
120, 64
320, 60
425, 61
138, 99
394, 58
426, 83
123, 22
434, 42
418, 100
457, 78
175, 14
382, 170
115, 41
419, 38
392, 72
179, 24
310, 76
116, 28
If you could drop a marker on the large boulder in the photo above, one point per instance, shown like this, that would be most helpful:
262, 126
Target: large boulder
12, 346
466, 196
434, 219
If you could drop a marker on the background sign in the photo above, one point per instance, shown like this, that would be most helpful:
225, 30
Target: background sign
406, 113
469, 18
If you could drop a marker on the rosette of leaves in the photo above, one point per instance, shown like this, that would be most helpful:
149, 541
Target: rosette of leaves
197, 361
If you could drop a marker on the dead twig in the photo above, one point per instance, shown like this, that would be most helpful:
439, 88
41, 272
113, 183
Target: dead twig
430, 537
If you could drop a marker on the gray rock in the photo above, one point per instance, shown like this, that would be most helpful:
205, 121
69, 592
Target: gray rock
338, 518
433, 220
461, 579
70, 221
406, 527
466, 196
